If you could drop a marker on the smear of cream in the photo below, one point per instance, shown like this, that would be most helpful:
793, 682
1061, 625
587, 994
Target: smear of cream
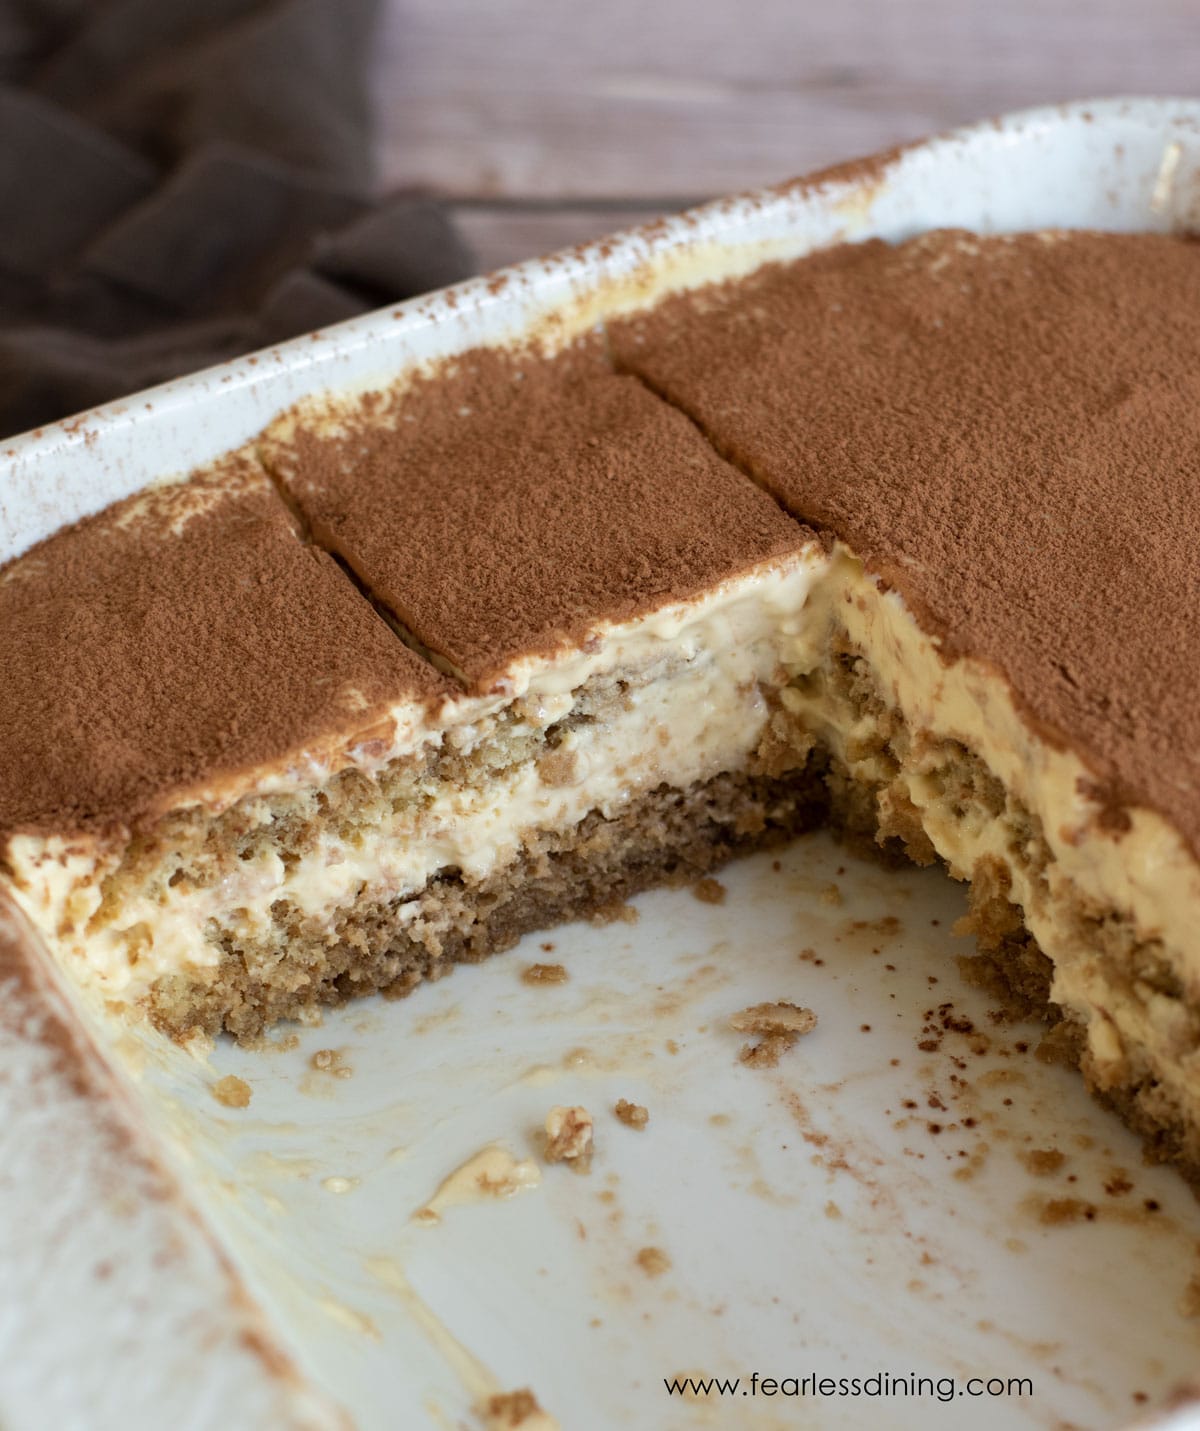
477, 1378
493, 1172
348, 1317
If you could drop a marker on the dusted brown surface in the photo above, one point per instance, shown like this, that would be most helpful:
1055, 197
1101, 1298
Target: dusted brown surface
138, 661
507, 506
1008, 431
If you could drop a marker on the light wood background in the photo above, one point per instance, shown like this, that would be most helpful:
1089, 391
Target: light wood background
549, 121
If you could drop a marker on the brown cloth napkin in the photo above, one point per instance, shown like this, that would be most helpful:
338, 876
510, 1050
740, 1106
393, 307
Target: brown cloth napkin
185, 180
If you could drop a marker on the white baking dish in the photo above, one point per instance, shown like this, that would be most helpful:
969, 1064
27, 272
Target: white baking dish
166, 1260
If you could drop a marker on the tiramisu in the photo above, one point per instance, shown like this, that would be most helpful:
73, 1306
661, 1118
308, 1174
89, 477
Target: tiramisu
239, 794
898, 538
999, 442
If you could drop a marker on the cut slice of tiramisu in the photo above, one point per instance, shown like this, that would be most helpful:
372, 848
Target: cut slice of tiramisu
240, 795
999, 441
182, 676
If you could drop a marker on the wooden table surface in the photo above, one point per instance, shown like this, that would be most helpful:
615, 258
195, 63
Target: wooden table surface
549, 121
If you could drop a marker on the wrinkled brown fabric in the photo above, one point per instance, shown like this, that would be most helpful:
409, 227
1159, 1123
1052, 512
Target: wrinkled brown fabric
181, 183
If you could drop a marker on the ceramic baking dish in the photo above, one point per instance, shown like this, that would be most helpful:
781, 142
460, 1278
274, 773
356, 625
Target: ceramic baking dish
166, 1260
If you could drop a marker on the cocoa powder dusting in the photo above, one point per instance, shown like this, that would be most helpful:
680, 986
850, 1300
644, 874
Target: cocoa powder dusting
184, 635
506, 504
1006, 431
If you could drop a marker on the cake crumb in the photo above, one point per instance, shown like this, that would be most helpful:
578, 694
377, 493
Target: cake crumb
781, 1016
767, 1052
618, 912
1057, 1046
329, 1060
543, 974
515, 1411
831, 894
653, 1261
232, 1092
709, 891
633, 1115
779, 1024
569, 1137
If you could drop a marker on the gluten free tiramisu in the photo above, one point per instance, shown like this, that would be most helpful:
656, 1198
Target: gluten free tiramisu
900, 539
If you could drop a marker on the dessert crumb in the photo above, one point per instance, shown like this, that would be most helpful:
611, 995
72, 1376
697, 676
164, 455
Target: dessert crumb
767, 1052
329, 1060
633, 1115
232, 1092
709, 891
543, 974
778, 1024
831, 894
1057, 1046
515, 1411
653, 1261
780, 1016
569, 1137
616, 913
